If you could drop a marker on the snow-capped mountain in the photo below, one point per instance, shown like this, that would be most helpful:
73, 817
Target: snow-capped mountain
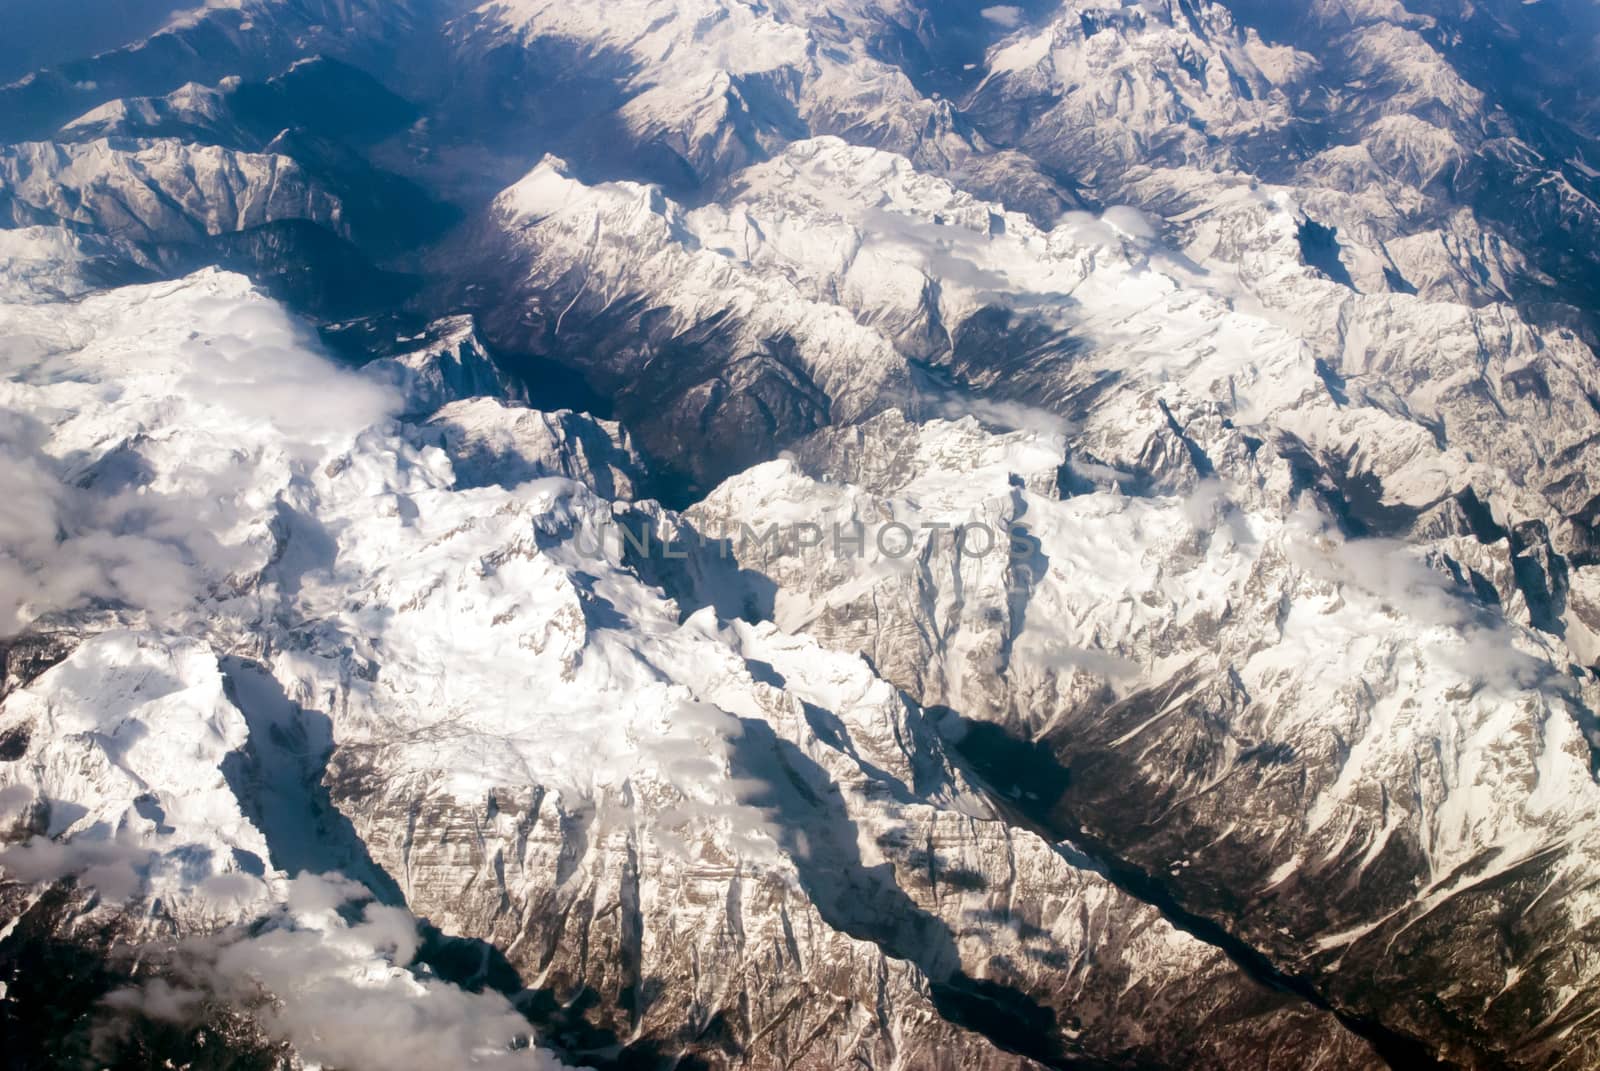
885, 534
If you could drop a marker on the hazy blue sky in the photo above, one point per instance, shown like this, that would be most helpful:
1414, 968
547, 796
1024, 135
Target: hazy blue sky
34, 33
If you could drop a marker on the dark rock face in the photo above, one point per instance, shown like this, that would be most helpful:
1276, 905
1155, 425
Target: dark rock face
28, 655
60, 963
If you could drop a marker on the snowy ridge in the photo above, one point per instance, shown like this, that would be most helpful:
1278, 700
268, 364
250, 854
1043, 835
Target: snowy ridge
163, 191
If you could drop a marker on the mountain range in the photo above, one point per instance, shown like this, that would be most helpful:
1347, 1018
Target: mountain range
798, 534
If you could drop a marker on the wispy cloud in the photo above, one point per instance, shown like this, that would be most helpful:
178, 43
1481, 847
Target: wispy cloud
137, 470
335, 981
1003, 15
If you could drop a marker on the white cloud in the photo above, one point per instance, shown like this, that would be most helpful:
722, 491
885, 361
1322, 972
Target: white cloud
1394, 575
111, 868
1003, 15
15, 800
1005, 415
1118, 224
137, 429
340, 992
